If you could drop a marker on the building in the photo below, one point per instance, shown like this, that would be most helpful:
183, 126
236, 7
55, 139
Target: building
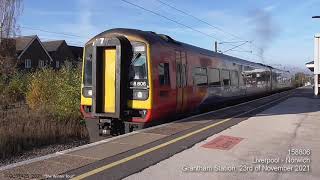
77, 53
59, 52
310, 65
31, 53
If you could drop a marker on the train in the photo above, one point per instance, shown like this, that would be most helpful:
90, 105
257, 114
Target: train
133, 78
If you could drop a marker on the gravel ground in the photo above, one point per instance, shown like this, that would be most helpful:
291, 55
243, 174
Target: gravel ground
37, 152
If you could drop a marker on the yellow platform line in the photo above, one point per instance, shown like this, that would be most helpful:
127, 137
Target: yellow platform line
108, 166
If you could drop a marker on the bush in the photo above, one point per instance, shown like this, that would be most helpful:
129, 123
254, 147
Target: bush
42, 89
2, 84
17, 87
56, 92
67, 104
14, 90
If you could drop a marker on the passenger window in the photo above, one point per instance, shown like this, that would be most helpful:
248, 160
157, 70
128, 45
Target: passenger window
214, 77
225, 75
164, 76
234, 78
200, 77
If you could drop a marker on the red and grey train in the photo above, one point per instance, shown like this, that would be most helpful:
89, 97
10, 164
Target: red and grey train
132, 78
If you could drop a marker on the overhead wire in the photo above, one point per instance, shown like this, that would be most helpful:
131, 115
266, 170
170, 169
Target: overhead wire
59, 33
212, 26
169, 19
63, 35
198, 19
175, 21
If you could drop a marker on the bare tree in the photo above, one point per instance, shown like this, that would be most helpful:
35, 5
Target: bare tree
10, 10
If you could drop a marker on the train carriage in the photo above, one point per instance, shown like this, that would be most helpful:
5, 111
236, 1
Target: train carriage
133, 78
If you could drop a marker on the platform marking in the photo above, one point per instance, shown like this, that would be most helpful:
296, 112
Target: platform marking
134, 156
223, 142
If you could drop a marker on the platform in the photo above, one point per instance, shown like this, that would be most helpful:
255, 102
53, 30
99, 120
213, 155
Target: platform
291, 124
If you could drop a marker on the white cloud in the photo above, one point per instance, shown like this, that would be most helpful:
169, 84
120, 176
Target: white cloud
270, 8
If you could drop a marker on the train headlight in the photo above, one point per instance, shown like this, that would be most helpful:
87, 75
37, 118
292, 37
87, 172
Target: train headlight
140, 94
87, 91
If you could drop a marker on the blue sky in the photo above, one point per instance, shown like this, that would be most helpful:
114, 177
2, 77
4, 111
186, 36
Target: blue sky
284, 29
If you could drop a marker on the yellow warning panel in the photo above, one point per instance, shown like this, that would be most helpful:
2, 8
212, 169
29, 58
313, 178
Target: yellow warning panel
109, 69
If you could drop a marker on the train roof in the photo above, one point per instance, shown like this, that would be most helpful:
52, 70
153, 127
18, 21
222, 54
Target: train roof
153, 37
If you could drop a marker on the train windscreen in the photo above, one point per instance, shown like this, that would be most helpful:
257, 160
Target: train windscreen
138, 68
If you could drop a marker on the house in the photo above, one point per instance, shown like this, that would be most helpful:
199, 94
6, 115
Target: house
59, 52
77, 53
31, 53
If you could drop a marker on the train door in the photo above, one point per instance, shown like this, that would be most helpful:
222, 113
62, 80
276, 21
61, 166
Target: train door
109, 78
110, 65
181, 82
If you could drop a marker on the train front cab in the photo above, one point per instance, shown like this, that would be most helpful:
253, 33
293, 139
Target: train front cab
116, 92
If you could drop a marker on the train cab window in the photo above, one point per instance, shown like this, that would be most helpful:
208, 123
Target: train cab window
87, 75
138, 66
214, 77
200, 77
234, 78
164, 76
225, 76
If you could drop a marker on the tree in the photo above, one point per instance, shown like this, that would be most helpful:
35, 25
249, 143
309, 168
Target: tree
300, 79
10, 10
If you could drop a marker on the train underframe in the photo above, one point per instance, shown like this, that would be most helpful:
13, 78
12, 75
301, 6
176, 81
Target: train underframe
110, 126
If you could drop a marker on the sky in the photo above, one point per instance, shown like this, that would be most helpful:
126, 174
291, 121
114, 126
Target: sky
280, 32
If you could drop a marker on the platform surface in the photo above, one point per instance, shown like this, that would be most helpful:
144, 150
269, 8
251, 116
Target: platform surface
269, 134
292, 124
